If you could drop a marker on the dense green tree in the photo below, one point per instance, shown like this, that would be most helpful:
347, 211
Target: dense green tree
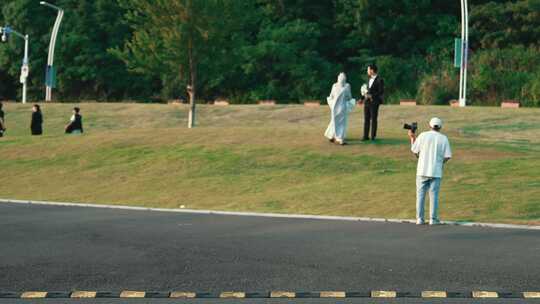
507, 73
27, 17
85, 70
500, 25
284, 62
406, 38
7, 87
6, 90
183, 41
287, 50
296, 53
402, 28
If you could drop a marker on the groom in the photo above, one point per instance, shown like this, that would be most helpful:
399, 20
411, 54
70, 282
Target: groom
372, 100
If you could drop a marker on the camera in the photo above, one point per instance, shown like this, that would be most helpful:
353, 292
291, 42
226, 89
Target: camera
413, 127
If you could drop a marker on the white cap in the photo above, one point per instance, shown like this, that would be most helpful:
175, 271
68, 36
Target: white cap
435, 122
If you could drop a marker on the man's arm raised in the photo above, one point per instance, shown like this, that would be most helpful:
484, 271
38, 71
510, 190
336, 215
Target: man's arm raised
414, 148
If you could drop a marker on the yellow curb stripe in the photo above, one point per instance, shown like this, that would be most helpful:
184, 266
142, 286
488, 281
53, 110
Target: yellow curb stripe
282, 294
183, 294
34, 295
485, 294
232, 295
383, 294
434, 294
333, 294
531, 295
132, 294
83, 294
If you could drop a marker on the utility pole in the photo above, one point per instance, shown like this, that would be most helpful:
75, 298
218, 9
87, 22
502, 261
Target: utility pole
50, 72
25, 69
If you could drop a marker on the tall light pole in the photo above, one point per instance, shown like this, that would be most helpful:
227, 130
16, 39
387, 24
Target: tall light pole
50, 73
25, 70
464, 53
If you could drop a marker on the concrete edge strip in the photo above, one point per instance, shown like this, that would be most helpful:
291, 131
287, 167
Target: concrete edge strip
128, 294
268, 215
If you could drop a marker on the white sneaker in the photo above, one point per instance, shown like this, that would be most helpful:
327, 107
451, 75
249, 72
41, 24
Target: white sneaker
420, 222
435, 222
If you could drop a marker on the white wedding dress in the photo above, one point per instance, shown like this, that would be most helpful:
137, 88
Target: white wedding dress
341, 104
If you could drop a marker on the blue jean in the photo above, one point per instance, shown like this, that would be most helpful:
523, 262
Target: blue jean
423, 185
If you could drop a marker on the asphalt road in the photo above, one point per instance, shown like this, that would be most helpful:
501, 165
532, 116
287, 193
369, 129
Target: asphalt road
71, 248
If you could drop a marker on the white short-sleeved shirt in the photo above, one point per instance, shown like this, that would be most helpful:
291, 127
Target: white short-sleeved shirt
432, 147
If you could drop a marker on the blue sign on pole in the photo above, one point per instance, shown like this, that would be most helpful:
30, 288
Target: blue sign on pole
50, 77
457, 52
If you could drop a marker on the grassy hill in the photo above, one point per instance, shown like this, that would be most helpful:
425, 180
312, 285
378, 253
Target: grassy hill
272, 159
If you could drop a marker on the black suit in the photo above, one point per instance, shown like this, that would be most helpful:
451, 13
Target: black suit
371, 107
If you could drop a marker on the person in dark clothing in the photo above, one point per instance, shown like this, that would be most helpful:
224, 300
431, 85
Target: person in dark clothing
36, 125
75, 123
372, 100
2, 121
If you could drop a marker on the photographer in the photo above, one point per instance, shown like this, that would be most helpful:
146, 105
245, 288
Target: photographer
432, 150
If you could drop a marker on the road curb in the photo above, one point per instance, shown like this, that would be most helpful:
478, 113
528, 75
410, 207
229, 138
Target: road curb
268, 215
238, 295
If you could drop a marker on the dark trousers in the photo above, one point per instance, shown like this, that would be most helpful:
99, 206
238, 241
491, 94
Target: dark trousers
371, 115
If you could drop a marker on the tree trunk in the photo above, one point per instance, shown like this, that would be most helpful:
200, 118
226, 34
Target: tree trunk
193, 84
192, 95
192, 87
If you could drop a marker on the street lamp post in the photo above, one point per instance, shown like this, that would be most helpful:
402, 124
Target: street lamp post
464, 53
25, 70
50, 74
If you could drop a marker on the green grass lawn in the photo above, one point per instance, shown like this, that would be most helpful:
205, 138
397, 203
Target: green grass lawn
272, 159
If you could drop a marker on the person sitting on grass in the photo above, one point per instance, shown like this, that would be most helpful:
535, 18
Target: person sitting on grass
75, 123
36, 126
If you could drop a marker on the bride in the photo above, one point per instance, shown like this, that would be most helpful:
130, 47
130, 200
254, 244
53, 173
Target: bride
341, 103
